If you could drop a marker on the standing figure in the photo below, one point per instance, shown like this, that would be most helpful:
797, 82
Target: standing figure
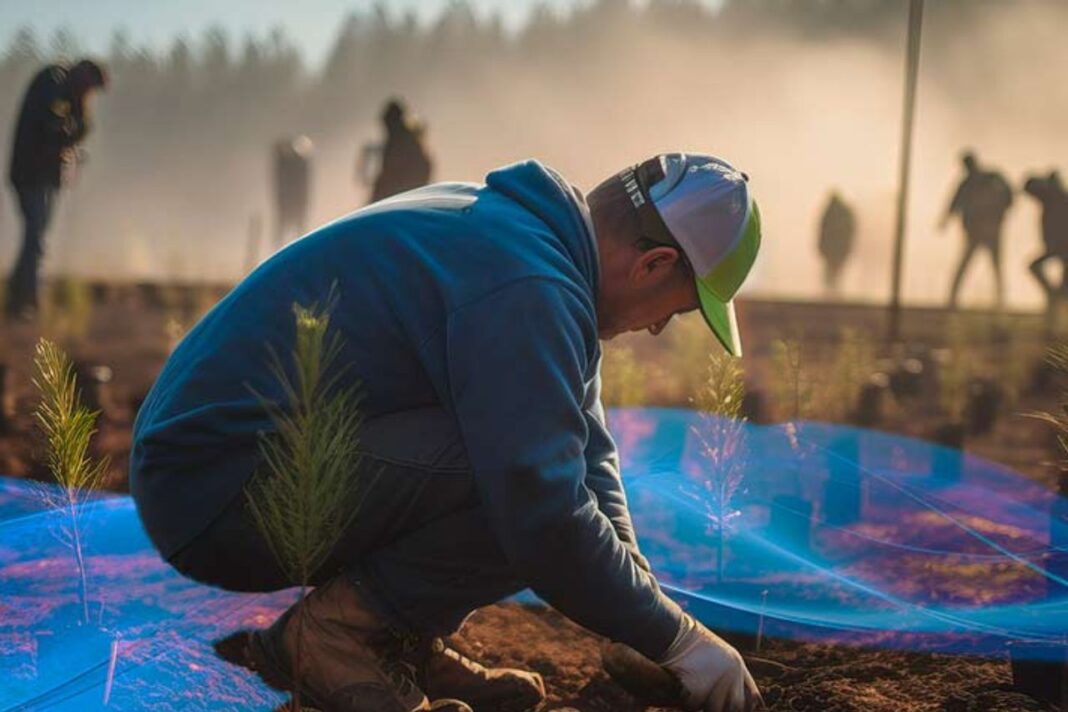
981, 200
1050, 192
403, 160
53, 120
292, 187
837, 229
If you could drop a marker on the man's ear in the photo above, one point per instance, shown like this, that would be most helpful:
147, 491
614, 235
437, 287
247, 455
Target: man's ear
655, 265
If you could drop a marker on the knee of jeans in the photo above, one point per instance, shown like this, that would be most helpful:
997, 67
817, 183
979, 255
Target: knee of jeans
424, 438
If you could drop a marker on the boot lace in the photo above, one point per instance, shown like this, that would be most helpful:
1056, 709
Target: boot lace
401, 673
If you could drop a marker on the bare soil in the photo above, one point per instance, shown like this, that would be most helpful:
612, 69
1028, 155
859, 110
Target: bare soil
792, 676
131, 330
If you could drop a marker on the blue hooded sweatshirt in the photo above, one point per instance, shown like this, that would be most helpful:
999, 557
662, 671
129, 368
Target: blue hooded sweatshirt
479, 299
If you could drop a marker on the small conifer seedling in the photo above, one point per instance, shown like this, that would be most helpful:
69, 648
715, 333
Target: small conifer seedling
721, 436
68, 427
307, 492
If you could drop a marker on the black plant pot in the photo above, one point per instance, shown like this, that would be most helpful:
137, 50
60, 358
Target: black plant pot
1041, 671
791, 520
754, 408
93, 383
984, 403
1057, 564
842, 503
5, 421
843, 496
100, 292
93, 643
1044, 377
150, 295
950, 434
871, 400
946, 465
908, 378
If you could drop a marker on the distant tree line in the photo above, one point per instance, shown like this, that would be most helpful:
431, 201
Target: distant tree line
180, 150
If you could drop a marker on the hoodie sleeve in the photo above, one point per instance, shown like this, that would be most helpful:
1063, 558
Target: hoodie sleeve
517, 360
602, 472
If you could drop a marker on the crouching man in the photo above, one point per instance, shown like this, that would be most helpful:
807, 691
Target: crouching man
470, 317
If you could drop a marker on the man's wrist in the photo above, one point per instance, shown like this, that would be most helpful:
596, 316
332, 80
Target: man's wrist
686, 626
666, 630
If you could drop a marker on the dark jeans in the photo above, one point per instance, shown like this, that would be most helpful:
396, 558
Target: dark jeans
37, 204
419, 548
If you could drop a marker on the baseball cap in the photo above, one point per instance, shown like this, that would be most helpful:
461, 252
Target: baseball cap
702, 204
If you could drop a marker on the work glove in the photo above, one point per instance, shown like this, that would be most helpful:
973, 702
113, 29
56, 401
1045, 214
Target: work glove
712, 673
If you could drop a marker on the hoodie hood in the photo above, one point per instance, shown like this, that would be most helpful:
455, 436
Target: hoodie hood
544, 193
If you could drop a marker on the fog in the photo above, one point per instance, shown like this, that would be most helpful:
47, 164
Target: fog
804, 96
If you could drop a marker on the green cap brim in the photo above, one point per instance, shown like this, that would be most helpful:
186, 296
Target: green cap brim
716, 289
719, 315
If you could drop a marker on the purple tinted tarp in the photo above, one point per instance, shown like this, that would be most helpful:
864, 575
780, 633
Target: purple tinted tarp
832, 533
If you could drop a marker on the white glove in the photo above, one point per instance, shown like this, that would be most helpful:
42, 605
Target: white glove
712, 673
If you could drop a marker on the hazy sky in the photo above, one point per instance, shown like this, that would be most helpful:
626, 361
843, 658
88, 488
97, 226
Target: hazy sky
311, 24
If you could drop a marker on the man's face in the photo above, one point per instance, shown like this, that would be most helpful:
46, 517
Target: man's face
642, 291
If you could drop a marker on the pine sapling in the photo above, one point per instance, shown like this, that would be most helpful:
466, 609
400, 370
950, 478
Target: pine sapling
68, 428
955, 373
1058, 358
851, 367
307, 493
67, 310
791, 384
721, 436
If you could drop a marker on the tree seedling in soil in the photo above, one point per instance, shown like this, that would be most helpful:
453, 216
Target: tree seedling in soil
1057, 358
308, 491
955, 377
760, 622
1058, 420
850, 369
721, 434
1040, 669
793, 388
68, 427
690, 343
791, 385
67, 310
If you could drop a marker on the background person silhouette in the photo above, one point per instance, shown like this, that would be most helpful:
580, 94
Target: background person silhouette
403, 160
982, 199
837, 232
1050, 193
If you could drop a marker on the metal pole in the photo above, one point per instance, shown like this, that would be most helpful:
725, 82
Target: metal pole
912, 64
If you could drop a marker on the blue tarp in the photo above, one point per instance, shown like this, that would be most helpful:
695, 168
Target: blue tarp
831, 533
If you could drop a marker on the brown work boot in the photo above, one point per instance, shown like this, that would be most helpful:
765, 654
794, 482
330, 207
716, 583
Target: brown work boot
349, 660
444, 672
